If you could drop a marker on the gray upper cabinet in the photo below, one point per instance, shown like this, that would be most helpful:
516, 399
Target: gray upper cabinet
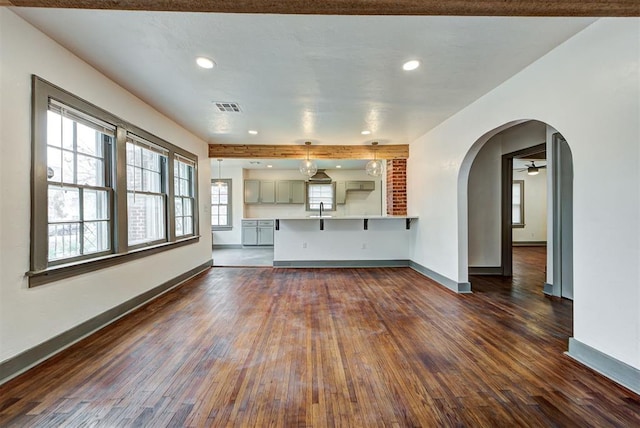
361, 185
341, 192
267, 192
290, 192
283, 192
259, 192
297, 192
251, 191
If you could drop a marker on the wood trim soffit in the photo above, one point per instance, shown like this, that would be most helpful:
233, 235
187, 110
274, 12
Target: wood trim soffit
360, 7
255, 151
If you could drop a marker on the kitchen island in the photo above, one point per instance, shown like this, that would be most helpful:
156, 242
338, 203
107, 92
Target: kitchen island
344, 241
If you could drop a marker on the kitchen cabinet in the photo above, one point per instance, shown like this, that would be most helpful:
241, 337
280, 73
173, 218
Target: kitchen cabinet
267, 192
341, 192
290, 192
361, 185
257, 232
265, 232
249, 232
251, 191
259, 192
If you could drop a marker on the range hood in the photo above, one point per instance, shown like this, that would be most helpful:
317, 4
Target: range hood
320, 177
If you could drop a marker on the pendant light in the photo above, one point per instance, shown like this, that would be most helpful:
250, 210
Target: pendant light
374, 167
308, 167
219, 183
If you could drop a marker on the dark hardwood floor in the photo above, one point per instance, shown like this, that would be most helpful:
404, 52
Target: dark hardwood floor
327, 347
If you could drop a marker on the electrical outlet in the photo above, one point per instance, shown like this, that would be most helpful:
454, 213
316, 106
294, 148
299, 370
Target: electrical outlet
304, 245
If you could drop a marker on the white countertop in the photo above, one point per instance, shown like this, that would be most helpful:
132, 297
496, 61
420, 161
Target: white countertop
342, 217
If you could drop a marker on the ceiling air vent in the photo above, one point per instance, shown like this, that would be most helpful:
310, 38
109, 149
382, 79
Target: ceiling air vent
227, 107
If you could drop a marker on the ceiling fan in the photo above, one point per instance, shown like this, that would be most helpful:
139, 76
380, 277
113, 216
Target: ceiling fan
532, 169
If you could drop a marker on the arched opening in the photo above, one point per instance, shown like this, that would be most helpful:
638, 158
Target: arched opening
491, 219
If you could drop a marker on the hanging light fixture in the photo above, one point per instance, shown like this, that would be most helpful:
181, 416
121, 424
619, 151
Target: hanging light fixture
533, 169
308, 167
374, 167
219, 183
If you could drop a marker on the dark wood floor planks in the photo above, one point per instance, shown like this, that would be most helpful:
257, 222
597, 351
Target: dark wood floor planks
328, 347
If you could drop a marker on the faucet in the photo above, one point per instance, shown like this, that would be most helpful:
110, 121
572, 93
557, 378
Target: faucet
321, 208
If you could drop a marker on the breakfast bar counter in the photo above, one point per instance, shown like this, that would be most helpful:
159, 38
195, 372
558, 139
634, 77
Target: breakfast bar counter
342, 241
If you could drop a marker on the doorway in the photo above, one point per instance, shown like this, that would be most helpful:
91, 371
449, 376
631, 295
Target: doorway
559, 165
517, 217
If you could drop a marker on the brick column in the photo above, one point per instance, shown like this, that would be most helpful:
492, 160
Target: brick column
397, 187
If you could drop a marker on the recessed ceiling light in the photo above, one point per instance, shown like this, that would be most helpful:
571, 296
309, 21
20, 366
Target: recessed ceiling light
253, 132
269, 166
366, 132
204, 62
338, 166
411, 65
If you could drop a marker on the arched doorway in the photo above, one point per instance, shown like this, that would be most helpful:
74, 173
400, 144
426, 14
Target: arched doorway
489, 206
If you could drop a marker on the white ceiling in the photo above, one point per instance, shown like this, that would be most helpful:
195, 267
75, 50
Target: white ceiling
300, 77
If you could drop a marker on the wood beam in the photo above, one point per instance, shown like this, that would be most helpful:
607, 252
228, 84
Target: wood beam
361, 7
238, 151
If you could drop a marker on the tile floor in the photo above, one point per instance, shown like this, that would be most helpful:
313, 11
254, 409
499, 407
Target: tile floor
259, 256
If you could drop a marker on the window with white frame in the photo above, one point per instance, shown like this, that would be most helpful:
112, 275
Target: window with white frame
100, 188
321, 192
221, 204
517, 204
183, 184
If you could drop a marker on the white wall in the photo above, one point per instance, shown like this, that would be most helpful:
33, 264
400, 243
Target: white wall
341, 239
535, 207
31, 316
588, 89
485, 197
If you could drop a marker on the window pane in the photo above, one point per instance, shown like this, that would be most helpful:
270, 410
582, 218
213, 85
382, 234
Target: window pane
95, 204
150, 160
223, 211
188, 206
64, 240
185, 188
96, 237
89, 140
68, 168
224, 199
63, 204
179, 229
214, 220
90, 171
178, 203
516, 218
146, 218
151, 181
134, 178
54, 129
320, 193
67, 133
187, 225
54, 160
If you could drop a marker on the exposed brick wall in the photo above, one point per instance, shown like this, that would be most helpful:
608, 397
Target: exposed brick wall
397, 187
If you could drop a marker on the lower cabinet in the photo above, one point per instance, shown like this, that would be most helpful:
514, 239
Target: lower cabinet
257, 232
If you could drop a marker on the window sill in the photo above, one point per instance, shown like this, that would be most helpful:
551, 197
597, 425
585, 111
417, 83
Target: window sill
56, 273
